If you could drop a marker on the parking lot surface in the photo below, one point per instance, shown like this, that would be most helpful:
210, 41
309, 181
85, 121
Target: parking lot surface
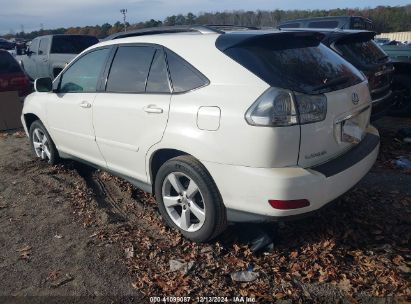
70, 230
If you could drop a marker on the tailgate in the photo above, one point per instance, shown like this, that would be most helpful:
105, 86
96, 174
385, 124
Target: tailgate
348, 114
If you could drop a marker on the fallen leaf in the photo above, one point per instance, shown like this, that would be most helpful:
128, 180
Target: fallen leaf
294, 254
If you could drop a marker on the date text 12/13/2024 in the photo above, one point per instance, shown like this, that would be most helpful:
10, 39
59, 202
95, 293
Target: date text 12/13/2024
203, 299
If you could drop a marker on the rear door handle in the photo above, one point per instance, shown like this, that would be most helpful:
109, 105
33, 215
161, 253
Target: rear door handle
153, 109
85, 104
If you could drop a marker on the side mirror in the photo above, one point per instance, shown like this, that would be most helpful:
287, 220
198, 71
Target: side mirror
43, 84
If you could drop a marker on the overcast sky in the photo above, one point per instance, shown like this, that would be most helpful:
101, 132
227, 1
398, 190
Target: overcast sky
58, 13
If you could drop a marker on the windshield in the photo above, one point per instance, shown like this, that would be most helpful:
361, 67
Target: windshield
366, 52
300, 64
71, 44
7, 64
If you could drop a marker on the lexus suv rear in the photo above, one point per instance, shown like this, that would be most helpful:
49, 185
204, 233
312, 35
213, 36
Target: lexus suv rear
221, 127
358, 48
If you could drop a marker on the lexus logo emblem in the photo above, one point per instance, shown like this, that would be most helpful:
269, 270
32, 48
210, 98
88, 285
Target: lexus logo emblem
355, 99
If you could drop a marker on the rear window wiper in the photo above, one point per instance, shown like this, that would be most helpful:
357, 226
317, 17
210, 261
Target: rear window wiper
331, 83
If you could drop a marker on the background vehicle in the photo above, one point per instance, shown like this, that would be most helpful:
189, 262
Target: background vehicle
176, 115
381, 41
332, 22
6, 45
12, 78
20, 45
401, 59
401, 76
359, 49
48, 55
14, 85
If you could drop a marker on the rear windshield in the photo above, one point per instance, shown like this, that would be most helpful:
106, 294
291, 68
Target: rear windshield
366, 52
361, 24
301, 64
7, 64
71, 44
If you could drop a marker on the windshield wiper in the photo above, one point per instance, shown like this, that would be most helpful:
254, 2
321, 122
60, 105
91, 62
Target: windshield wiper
331, 83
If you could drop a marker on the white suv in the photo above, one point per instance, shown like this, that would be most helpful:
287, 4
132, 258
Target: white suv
221, 127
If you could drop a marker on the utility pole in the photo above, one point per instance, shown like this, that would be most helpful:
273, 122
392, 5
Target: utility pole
124, 12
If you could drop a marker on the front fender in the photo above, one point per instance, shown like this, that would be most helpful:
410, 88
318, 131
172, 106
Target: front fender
35, 104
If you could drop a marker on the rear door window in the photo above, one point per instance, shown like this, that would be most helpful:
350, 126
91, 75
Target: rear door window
290, 25
71, 44
43, 46
300, 63
184, 76
158, 81
323, 24
129, 69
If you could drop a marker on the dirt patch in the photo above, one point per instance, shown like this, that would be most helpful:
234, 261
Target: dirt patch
45, 247
72, 230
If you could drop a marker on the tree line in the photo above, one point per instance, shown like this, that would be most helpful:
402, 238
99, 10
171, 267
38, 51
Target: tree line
385, 19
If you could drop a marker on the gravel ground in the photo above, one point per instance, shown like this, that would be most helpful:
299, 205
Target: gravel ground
75, 232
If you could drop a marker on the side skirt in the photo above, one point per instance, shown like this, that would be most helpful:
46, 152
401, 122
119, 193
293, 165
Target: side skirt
146, 187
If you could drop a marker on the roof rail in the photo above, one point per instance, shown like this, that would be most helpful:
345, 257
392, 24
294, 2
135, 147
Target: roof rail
203, 29
231, 27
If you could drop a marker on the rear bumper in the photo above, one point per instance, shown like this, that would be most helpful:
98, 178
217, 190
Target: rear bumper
246, 190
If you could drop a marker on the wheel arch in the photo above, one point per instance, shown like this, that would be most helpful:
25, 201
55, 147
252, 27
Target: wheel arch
158, 158
29, 118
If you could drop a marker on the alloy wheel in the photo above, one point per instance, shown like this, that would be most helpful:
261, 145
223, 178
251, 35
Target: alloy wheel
183, 201
41, 144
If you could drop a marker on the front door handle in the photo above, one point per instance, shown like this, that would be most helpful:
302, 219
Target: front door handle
153, 109
85, 104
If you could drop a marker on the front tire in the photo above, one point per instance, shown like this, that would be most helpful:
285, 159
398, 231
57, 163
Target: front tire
188, 199
42, 144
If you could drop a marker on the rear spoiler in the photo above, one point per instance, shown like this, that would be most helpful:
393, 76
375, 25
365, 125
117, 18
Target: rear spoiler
264, 38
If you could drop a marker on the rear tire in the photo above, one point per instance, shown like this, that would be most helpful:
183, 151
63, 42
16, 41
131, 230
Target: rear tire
41, 143
189, 200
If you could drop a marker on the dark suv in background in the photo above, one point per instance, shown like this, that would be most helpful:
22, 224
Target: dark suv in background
341, 22
358, 48
12, 77
6, 45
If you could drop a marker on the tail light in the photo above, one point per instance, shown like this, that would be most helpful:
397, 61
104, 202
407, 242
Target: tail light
19, 81
22, 84
279, 107
289, 204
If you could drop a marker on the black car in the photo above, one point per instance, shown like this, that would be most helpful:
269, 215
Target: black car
332, 22
358, 48
6, 45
